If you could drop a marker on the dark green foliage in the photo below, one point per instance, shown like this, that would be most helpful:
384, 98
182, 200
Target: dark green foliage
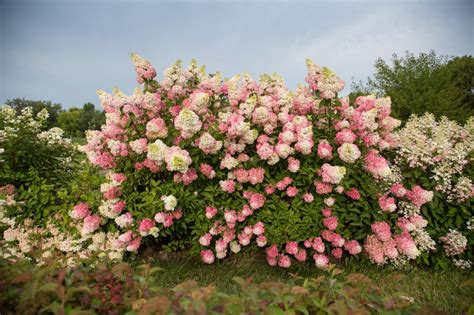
425, 83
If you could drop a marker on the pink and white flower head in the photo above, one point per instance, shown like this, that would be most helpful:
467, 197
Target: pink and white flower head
301, 255
337, 240
177, 159
318, 245
291, 191
207, 171
80, 211
377, 165
353, 247
418, 196
258, 228
293, 165
329, 201
345, 136
210, 212
407, 245
261, 241
207, 256
284, 261
221, 245
382, 230
387, 204
143, 69
325, 150
170, 202
330, 223
134, 244
205, 240
321, 261
227, 185
398, 190
348, 152
291, 247
308, 197
281, 185
332, 174
337, 253
188, 123
326, 212
156, 128
322, 188
91, 223
256, 175
353, 194
269, 189
145, 226
124, 220
244, 239
139, 146
272, 251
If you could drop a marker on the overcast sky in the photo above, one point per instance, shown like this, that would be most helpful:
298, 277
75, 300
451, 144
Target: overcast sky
64, 51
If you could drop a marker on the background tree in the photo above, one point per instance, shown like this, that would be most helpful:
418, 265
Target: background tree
75, 121
424, 83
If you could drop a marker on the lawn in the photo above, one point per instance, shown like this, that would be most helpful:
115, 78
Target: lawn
449, 291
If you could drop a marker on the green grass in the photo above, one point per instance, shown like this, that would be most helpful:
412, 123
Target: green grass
445, 291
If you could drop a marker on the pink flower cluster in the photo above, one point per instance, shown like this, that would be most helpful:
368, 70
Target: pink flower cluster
382, 245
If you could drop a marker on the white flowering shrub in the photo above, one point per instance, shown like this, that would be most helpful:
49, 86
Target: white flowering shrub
439, 155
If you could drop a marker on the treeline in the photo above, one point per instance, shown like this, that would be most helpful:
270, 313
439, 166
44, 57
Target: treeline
428, 82
74, 121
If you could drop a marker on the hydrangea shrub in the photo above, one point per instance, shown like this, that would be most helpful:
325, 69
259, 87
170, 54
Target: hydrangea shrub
220, 165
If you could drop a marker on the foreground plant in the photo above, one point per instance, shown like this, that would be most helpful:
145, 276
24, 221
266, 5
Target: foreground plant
103, 288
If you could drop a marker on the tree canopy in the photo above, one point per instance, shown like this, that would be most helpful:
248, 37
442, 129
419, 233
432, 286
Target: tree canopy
424, 83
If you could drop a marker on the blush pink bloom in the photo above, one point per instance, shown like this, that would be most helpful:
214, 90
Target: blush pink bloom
145, 226
272, 251
91, 223
387, 204
227, 185
261, 241
301, 255
210, 212
308, 197
205, 240
207, 256
337, 240
293, 165
418, 196
292, 191
398, 190
374, 248
291, 247
353, 247
284, 261
345, 136
377, 165
269, 189
325, 150
337, 253
326, 212
406, 245
207, 171
321, 261
382, 230
322, 188
330, 223
353, 194
80, 211
318, 245
281, 185
259, 228
256, 175
134, 244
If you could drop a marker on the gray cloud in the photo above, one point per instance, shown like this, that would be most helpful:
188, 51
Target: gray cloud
64, 50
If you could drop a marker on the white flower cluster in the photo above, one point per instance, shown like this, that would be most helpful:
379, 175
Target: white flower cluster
54, 136
441, 148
